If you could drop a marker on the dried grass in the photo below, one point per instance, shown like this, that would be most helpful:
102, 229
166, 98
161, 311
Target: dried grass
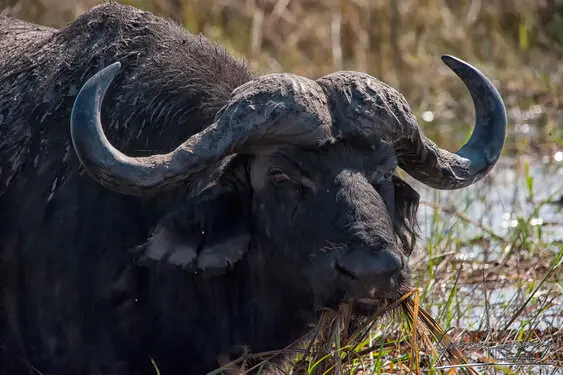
398, 41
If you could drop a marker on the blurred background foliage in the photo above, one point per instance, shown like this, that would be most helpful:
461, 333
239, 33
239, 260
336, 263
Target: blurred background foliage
517, 42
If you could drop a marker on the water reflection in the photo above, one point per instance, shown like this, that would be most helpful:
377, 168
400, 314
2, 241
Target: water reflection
477, 227
500, 201
499, 309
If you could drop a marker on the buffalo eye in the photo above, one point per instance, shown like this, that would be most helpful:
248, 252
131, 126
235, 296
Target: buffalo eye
386, 177
279, 177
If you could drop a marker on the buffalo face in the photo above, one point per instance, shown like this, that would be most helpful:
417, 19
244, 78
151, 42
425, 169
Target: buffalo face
337, 215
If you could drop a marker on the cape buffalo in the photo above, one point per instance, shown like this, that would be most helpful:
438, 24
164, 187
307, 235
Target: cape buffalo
159, 201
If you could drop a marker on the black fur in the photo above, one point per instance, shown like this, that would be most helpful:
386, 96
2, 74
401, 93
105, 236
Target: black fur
78, 294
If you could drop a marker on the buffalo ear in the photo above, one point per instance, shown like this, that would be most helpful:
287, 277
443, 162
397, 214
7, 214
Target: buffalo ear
209, 233
406, 207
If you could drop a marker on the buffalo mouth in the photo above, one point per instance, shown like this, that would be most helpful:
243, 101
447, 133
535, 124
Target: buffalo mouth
368, 290
367, 300
380, 273
368, 293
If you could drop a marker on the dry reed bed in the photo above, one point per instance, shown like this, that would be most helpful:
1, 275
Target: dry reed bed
399, 41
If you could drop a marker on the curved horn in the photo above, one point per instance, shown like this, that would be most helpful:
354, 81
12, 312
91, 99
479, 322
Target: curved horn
366, 105
271, 108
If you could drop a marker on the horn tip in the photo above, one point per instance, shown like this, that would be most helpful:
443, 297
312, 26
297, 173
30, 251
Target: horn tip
446, 58
107, 74
112, 69
101, 79
453, 62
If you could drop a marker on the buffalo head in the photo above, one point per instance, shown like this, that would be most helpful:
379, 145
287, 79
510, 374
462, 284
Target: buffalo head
299, 176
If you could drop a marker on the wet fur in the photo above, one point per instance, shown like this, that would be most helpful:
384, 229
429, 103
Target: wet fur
77, 297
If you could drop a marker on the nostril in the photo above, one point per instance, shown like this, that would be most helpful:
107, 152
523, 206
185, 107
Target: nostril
392, 262
345, 271
364, 262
